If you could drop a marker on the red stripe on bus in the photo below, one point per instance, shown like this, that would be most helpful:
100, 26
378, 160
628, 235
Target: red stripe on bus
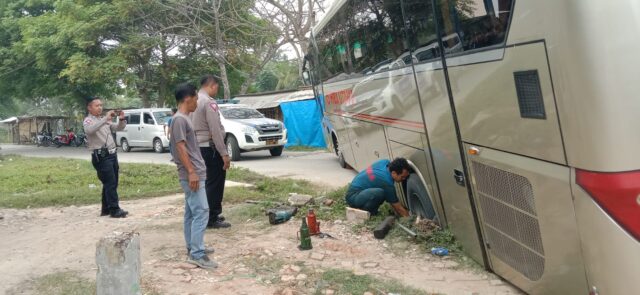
382, 119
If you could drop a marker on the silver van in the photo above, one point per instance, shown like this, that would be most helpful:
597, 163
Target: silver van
146, 128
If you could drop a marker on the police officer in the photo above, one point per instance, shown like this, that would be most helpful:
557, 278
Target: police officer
99, 130
210, 135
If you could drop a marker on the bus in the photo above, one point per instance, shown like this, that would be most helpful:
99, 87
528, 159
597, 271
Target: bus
520, 119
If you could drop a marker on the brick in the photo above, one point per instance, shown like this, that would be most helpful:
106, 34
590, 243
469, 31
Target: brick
357, 215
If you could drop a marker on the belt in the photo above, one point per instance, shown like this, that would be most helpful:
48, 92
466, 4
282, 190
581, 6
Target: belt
207, 144
111, 151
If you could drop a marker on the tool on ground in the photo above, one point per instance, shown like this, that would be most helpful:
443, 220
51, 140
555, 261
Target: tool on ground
304, 237
281, 214
325, 235
406, 229
314, 225
383, 228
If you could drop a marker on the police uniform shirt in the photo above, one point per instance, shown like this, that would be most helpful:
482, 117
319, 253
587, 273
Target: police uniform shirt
99, 130
207, 124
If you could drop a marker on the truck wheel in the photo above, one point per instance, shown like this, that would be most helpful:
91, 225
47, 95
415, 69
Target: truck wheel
157, 146
232, 148
276, 151
418, 198
125, 145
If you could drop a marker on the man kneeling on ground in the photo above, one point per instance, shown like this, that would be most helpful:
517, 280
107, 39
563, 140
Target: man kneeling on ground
192, 173
374, 185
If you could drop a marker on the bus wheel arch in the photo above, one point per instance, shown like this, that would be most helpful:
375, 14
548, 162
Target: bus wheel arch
418, 199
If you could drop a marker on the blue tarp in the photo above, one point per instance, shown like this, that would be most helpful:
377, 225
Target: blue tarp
303, 119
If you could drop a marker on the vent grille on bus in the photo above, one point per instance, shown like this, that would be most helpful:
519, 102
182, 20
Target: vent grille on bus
509, 218
529, 94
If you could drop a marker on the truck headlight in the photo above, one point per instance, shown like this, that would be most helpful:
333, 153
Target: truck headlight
249, 130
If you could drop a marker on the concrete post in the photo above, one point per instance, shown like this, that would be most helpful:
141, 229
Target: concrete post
119, 266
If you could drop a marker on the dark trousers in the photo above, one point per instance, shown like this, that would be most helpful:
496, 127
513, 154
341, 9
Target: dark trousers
107, 169
215, 181
369, 199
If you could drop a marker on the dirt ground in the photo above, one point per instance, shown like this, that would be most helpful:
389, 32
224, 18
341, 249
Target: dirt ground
254, 258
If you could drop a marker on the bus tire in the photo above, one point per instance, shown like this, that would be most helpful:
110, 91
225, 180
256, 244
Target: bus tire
418, 198
341, 160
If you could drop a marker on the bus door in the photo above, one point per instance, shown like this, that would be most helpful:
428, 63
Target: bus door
438, 116
504, 109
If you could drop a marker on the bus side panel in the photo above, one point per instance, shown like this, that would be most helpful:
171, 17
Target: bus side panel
492, 112
527, 217
612, 256
445, 153
368, 142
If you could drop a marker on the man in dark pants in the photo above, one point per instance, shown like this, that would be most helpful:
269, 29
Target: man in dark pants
211, 134
98, 129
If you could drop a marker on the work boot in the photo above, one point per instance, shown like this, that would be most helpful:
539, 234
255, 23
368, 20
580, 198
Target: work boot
219, 224
119, 214
203, 262
207, 250
103, 213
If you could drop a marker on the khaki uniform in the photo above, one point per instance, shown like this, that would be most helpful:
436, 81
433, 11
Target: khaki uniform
99, 130
207, 124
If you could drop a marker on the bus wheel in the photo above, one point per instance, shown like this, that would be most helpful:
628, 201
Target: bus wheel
418, 198
342, 161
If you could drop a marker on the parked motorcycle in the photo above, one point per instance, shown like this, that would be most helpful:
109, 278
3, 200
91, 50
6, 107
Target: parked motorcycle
81, 139
65, 139
43, 139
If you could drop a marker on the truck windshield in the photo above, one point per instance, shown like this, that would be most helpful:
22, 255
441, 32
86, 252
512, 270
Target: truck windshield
240, 113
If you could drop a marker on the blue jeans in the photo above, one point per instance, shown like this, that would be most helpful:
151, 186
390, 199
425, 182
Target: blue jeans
196, 216
369, 199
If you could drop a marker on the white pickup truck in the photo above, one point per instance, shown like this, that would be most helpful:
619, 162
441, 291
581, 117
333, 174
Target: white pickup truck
249, 130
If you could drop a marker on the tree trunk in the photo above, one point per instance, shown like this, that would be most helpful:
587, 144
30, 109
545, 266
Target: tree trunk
220, 49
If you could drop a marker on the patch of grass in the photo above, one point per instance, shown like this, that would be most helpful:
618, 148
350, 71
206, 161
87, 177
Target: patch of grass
244, 175
62, 283
346, 282
304, 148
37, 182
267, 269
241, 213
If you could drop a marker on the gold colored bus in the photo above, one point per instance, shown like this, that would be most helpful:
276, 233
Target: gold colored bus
521, 120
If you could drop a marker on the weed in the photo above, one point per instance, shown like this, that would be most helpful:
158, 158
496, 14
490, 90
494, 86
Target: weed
61, 283
346, 282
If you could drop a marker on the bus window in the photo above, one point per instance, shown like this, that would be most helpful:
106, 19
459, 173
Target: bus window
421, 30
469, 25
379, 41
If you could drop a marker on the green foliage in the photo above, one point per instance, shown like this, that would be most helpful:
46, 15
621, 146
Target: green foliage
30, 182
54, 53
346, 282
60, 283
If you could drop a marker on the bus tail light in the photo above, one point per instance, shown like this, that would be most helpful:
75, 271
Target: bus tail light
617, 193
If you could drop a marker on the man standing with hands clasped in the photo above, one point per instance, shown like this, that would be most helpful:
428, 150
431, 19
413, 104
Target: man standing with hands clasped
211, 134
192, 173
98, 129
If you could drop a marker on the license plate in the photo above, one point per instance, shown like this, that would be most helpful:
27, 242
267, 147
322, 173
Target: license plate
271, 141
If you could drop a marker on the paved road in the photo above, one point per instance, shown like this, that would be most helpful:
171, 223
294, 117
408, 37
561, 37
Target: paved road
319, 167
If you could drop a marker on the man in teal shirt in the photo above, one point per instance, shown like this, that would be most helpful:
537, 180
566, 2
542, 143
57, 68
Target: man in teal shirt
375, 185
